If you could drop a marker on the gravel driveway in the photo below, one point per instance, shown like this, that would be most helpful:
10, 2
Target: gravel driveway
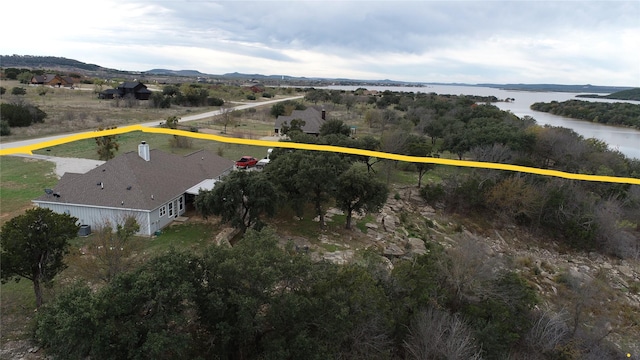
63, 164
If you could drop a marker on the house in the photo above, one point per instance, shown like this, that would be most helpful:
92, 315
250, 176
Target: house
52, 80
312, 118
128, 88
153, 186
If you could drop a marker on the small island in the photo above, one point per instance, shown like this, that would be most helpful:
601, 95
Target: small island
616, 113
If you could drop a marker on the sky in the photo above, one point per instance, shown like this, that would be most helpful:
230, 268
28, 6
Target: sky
518, 41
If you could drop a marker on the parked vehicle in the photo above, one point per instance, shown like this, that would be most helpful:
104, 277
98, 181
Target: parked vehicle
263, 162
246, 162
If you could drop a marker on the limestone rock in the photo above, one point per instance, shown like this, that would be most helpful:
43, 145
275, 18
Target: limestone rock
393, 250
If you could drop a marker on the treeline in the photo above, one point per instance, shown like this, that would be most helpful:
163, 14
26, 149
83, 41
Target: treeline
298, 179
584, 215
630, 94
260, 301
601, 112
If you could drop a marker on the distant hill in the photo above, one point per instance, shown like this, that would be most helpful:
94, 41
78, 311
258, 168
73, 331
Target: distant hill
175, 72
61, 63
630, 94
48, 62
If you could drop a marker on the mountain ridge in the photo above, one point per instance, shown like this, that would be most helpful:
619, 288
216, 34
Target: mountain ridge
57, 63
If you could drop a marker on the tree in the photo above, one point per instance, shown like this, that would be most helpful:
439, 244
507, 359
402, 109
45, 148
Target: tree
419, 146
358, 192
109, 251
296, 126
5, 130
226, 117
21, 115
308, 176
334, 126
3, 90
25, 77
277, 110
107, 145
239, 199
435, 334
34, 245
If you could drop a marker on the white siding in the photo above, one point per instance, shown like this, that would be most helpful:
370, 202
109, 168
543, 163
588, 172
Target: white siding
150, 221
95, 216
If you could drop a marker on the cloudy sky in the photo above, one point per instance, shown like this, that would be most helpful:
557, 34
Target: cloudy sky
565, 42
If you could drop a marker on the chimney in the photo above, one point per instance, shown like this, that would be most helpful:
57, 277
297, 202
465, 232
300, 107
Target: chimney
143, 151
323, 114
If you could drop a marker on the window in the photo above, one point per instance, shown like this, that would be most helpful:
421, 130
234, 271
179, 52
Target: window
163, 210
170, 209
180, 203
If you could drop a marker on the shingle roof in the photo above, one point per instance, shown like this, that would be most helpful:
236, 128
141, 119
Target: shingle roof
311, 116
131, 84
138, 183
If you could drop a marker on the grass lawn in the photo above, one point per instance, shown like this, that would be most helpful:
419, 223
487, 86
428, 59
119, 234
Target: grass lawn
190, 235
22, 180
129, 142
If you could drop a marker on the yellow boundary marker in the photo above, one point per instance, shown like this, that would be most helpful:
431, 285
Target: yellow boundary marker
463, 163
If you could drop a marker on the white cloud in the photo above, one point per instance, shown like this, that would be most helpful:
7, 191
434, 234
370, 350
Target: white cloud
457, 41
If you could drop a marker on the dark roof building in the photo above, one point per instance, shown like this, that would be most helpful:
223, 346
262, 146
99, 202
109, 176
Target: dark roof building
151, 185
133, 88
312, 117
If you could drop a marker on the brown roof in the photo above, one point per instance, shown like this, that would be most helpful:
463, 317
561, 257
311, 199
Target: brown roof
138, 183
311, 117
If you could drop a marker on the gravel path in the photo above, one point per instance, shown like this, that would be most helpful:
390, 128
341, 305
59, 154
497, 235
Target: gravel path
64, 165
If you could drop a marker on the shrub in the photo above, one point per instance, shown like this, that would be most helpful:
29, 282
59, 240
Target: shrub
214, 101
432, 193
251, 97
4, 128
21, 115
267, 95
18, 91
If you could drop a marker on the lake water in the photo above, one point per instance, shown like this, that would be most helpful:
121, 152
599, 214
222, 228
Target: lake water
626, 140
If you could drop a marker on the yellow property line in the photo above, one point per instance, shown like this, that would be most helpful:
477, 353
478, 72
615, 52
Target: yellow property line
464, 163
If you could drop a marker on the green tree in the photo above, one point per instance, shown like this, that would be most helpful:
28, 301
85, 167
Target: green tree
241, 198
308, 176
107, 145
144, 314
33, 246
25, 77
296, 126
3, 90
419, 146
277, 110
358, 191
5, 130
334, 126
19, 115
170, 90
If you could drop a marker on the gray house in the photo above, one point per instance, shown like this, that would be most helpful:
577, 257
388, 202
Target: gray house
153, 186
312, 118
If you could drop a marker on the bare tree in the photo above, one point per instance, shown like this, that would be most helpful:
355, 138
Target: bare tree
225, 118
468, 270
548, 331
436, 334
110, 251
